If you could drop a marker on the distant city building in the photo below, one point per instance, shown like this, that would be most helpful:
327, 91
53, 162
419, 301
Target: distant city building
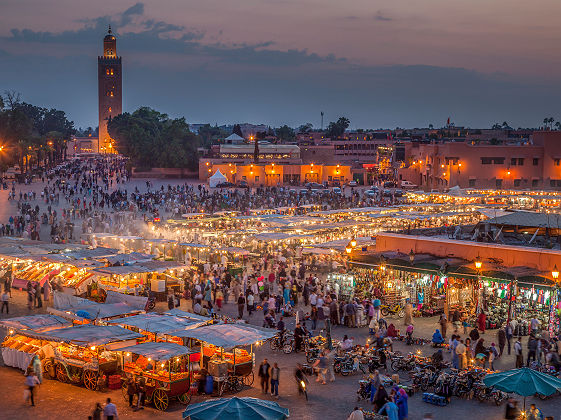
110, 90
522, 164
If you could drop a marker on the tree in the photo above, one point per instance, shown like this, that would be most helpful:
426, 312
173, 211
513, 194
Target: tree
285, 133
151, 139
548, 122
431, 126
305, 128
558, 125
237, 130
337, 129
209, 134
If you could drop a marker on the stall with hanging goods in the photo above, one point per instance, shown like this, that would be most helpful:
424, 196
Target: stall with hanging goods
164, 368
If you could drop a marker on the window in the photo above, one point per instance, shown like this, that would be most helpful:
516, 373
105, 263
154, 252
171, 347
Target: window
492, 160
535, 182
520, 161
109, 71
517, 182
499, 183
556, 162
516, 161
472, 183
535, 161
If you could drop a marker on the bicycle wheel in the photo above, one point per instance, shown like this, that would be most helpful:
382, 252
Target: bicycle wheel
274, 344
396, 366
288, 348
248, 379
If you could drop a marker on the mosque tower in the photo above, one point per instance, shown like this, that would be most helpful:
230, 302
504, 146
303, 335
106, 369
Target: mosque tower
110, 90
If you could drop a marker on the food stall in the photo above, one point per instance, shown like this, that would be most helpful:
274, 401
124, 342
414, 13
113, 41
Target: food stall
17, 349
156, 327
165, 369
222, 349
84, 354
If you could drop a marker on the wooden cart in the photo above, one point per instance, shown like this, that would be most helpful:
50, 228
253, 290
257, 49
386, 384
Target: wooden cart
163, 367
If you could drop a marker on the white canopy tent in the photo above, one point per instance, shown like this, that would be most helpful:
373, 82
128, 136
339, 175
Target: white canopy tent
216, 179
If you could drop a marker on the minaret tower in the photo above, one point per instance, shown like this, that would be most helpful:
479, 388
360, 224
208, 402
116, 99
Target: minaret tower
110, 86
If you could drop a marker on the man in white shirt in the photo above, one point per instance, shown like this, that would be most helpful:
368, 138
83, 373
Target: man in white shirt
313, 299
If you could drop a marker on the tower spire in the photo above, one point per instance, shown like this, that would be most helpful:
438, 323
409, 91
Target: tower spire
109, 30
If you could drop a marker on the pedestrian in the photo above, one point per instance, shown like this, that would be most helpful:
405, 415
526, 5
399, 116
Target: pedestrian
110, 410
241, 304
275, 376
511, 411
314, 317
493, 354
508, 333
321, 366
31, 381
5, 300
391, 410
443, 323
534, 413
131, 390
481, 322
408, 319
98, 412
141, 392
402, 404
501, 336
264, 374
532, 349
518, 353
356, 414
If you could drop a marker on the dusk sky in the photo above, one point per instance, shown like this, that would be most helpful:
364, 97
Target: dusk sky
379, 63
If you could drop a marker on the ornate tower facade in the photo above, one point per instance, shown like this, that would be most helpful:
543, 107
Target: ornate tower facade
110, 89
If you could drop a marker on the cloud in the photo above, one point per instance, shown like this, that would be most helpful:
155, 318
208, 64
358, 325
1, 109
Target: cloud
381, 17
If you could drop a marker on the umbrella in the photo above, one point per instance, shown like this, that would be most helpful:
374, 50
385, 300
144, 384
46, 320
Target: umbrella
235, 408
524, 382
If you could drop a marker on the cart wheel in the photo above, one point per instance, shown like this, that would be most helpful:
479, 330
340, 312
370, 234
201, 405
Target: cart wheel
124, 390
90, 379
184, 399
248, 379
49, 370
61, 374
160, 399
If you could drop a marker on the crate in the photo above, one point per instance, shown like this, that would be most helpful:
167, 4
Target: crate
114, 382
434, 399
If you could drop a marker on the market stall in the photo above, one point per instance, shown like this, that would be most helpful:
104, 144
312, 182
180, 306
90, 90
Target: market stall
222, 349
17, 349
84, 354
164, 368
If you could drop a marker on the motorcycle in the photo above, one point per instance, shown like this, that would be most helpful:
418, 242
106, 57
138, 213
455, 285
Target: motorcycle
484, 393
312, 354
400, 363
354, 364
150, 304
302, 389
286, 343
396, 309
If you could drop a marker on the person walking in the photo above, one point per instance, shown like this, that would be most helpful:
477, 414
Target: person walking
5, 300
402, 404
321, 366
511, 411
508, 333
275, 376
443, 323
110, 410
501, 337
532, 348
482, 322
518, 353
241, 304
98, 412
264, 374
131, 390
31, 381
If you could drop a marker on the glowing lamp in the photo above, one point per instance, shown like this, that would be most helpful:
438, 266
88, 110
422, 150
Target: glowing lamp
348, 250
555, 272
478, 263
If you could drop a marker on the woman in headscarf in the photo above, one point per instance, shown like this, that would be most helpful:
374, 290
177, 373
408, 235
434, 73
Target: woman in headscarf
402, 405
437, 338
392, 332
381, 397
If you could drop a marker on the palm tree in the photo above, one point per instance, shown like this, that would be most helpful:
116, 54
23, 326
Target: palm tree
558, 125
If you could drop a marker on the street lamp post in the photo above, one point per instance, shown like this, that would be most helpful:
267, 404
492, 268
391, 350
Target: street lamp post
478, 264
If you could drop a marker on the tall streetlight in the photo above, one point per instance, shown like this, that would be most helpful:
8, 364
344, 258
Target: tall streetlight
478, 264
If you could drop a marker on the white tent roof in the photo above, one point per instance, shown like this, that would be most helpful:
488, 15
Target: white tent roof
234, 137
216, 179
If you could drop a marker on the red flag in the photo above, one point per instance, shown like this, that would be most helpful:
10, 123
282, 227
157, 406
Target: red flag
448, 121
